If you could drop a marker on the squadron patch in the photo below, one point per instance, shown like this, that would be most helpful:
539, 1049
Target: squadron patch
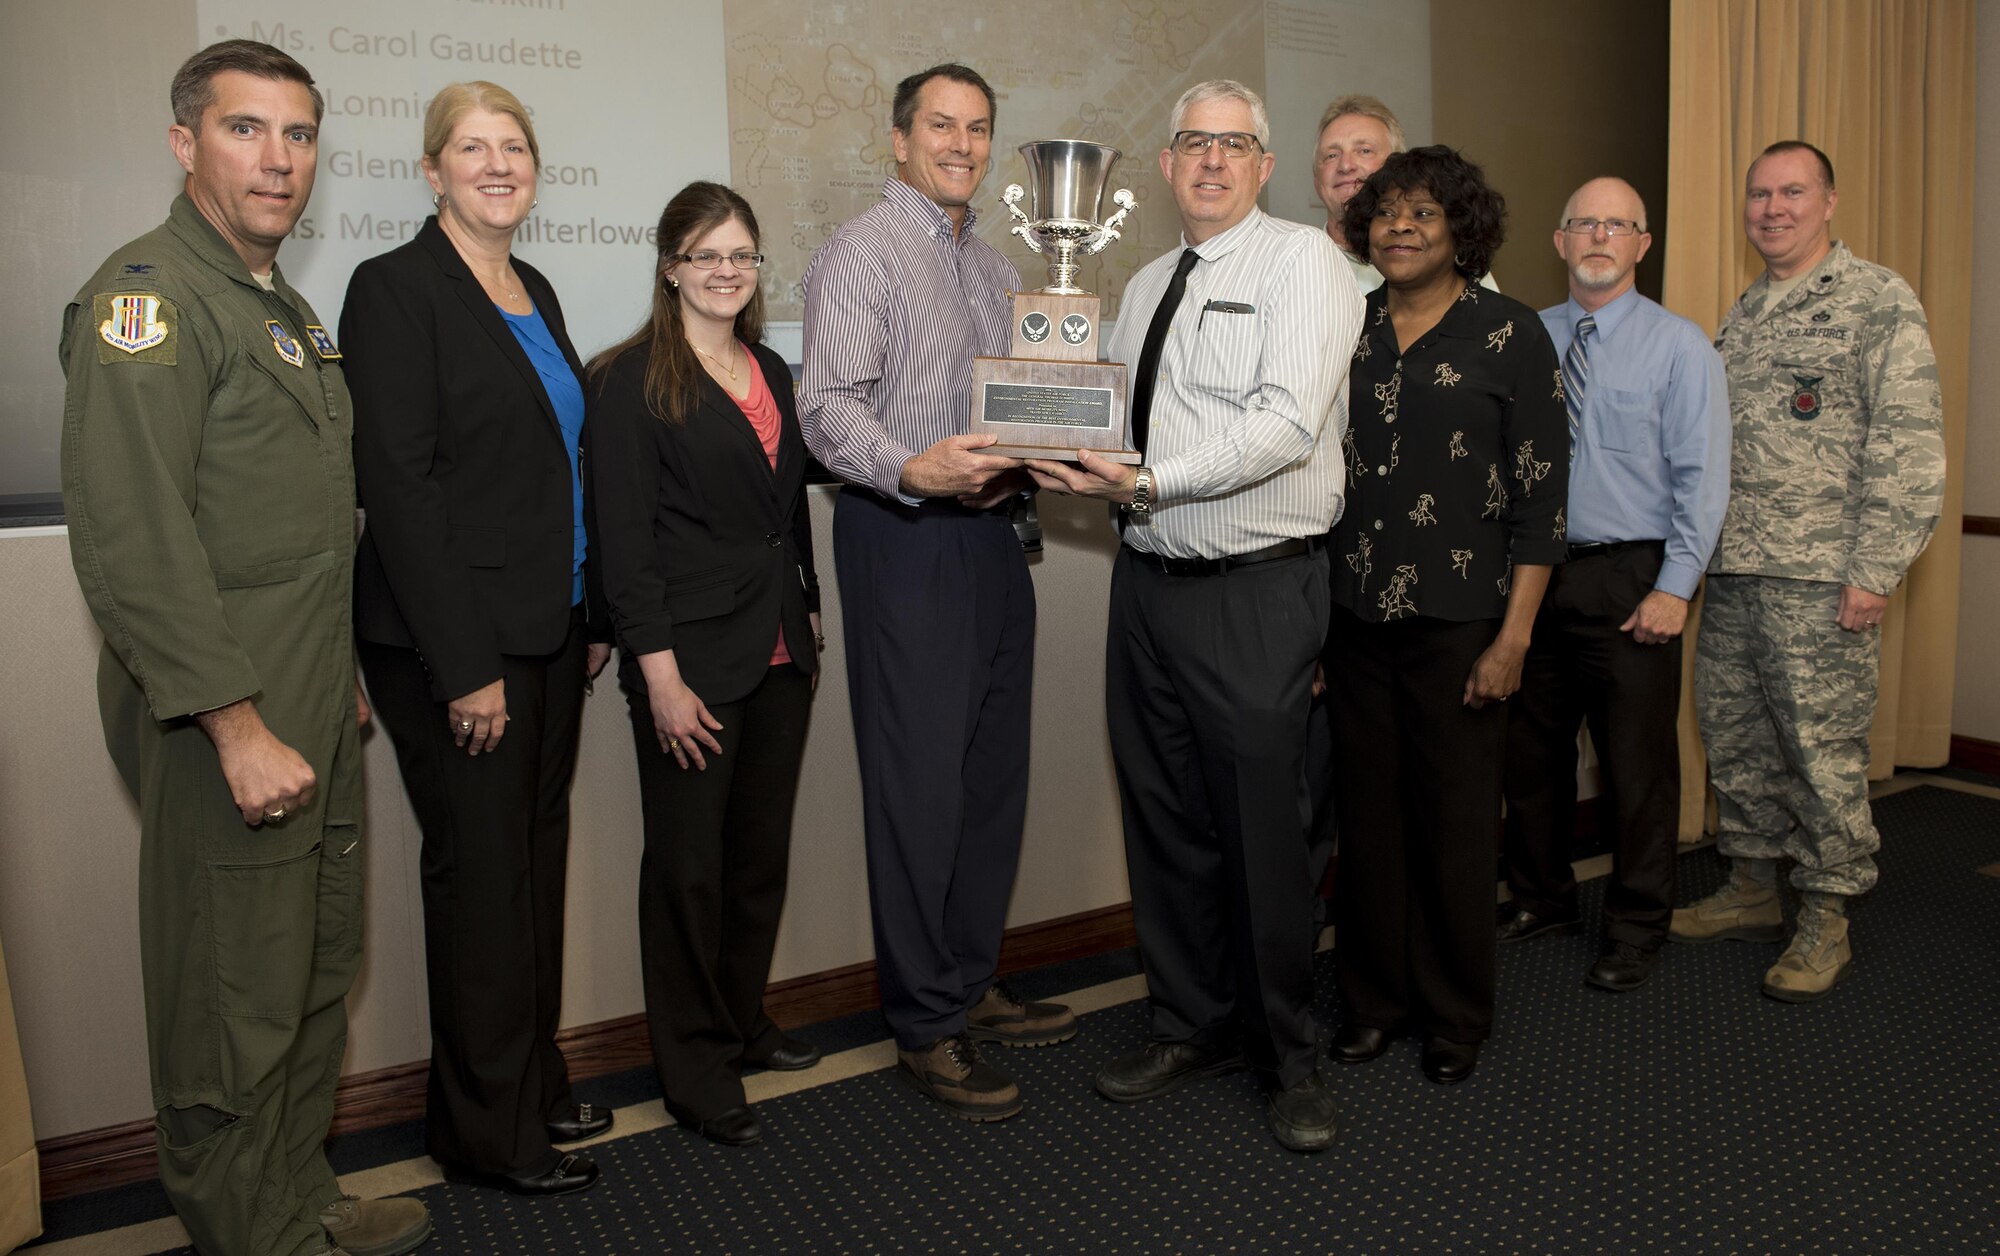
1805, 400
135, 327
322, 343
288, 349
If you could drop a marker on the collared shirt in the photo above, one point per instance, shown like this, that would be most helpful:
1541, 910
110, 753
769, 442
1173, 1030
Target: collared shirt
1837, 431
897, 306
1651, 461
1457, 462
1244, 435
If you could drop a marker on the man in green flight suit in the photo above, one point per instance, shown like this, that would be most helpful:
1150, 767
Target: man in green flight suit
1836, 483
210, 496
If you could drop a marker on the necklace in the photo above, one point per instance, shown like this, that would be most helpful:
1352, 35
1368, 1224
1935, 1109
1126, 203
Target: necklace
720, 364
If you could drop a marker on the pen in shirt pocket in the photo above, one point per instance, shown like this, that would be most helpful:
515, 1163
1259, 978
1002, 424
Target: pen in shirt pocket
1223, 307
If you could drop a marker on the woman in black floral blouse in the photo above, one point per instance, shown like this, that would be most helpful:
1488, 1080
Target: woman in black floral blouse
1457, 457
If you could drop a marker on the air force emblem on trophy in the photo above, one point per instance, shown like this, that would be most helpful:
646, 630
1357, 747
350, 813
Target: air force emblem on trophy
1052, 396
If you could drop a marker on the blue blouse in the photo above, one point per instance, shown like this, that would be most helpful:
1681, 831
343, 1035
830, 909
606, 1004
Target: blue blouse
566, 394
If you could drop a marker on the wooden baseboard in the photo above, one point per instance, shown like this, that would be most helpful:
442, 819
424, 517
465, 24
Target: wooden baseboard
1979, 525
119, 1155
1975, 755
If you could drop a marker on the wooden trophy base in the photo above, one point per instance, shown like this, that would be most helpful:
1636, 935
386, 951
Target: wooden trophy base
1052, 397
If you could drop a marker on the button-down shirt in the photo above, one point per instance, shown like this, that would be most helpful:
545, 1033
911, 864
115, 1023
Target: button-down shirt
1244, 434
1651, 461
1457, 462
897, 306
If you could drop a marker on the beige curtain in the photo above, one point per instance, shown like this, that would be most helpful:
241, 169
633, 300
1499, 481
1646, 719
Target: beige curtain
1886, 88
20, 1179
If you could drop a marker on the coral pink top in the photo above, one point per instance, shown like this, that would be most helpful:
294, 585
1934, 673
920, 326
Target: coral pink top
761, 408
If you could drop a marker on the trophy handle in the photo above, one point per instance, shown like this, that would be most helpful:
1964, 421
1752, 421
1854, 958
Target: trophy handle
1011, 198
1108, 232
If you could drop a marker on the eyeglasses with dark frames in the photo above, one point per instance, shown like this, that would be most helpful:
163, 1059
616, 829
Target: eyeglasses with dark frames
709, 259
1612, 226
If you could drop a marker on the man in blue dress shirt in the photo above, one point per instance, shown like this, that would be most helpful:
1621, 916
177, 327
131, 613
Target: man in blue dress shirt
1649, 477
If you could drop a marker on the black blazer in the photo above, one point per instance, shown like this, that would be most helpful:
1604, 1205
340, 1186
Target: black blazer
460, 463
703, 548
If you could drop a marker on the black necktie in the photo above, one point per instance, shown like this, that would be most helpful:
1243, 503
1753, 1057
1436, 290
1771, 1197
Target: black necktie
1149, 352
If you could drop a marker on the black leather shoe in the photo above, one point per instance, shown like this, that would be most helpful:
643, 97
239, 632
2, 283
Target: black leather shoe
1448, 1063
1622, 967
1358, 1044
790, 1055
586, 1121
1518, 924
1162, 1067
1302, 1117
571, 1172
738, 1127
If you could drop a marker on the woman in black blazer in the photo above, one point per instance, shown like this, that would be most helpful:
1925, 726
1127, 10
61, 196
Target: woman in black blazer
696, 477
469, 611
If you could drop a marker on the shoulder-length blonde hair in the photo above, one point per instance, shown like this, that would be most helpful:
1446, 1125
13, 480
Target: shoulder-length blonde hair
673, 374
458, 99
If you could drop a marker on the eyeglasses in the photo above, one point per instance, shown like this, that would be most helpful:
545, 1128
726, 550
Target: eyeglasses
709, 259
1612, 226
1234, 143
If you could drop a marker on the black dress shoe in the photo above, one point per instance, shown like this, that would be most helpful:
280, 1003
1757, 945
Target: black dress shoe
1518, 924
1622, 967
1302, 1117
738, 1127
1161, 1067
587, 1120
1358, 1044
790, 1055
1448, 1063
571, 1172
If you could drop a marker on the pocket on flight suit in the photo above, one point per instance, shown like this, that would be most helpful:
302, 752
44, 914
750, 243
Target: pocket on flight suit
338, 935
259, 909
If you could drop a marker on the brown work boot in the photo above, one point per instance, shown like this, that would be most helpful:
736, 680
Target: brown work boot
376, 1227
951, 1072
1815, 961
1006, 1018
1742, 910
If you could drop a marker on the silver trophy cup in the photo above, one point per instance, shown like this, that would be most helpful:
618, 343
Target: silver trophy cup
1068, 178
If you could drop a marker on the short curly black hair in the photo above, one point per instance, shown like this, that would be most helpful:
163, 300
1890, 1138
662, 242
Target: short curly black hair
1475, 212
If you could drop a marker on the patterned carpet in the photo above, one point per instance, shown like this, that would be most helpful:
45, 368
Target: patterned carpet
1692, 1116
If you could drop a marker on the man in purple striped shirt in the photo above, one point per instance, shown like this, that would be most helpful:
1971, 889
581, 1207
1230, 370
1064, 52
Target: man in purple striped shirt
934, 592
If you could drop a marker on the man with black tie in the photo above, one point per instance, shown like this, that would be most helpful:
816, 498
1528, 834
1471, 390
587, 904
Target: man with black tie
1219, 604
1649, 476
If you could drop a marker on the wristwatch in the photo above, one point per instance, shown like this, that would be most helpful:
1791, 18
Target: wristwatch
1142, 493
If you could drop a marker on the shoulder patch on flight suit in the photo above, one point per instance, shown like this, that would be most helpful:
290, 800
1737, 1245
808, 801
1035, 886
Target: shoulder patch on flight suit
288, 349
322, 343
135, 327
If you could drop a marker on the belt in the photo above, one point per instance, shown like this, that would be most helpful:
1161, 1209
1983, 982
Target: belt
1218, 566
1605, 547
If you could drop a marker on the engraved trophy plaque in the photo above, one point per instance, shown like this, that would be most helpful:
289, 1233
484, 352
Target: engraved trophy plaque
1051, 396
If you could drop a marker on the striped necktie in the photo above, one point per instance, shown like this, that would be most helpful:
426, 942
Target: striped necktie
1576, 377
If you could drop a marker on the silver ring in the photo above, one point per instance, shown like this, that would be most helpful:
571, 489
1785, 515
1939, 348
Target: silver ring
465, 726
279, 814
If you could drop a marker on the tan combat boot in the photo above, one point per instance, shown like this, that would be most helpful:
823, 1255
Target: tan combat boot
1742, 910
1815, 961
376, 1227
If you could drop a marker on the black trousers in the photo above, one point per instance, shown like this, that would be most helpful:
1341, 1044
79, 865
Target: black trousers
1418, 794
712, 885
1581, 668
1207, 684
494, 870
938, 613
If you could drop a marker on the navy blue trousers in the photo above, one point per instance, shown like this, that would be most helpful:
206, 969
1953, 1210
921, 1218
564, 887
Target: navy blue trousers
938, 616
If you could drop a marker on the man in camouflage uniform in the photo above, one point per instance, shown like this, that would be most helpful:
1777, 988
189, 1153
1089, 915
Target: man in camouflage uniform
209, 490
1837, 478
